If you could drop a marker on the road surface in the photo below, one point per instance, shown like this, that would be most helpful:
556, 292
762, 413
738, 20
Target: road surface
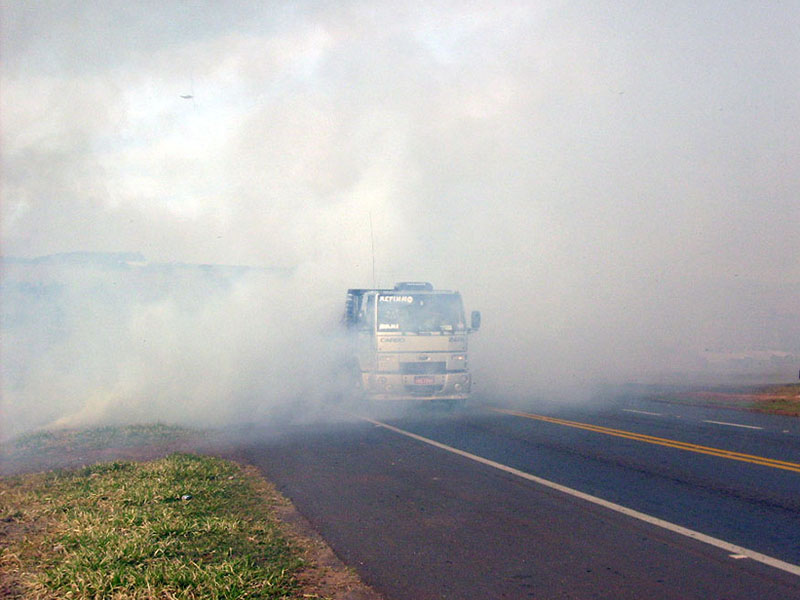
624, 498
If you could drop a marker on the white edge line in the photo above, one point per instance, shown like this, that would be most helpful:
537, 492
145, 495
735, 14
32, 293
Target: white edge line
733, 424
690, 533
642, 412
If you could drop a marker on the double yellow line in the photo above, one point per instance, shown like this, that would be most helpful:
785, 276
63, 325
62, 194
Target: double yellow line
749, 458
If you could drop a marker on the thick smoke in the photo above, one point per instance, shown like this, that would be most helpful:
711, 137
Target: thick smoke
614, 187
102, 339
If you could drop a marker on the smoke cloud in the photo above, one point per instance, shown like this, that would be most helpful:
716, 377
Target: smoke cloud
615, 187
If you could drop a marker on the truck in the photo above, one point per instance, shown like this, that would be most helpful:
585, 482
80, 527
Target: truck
409, 343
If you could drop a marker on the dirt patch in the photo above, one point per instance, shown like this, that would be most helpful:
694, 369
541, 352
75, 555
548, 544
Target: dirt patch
781, 400
12, 531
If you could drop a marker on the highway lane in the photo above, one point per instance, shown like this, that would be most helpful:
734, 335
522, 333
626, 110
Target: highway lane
746, 503
421, 522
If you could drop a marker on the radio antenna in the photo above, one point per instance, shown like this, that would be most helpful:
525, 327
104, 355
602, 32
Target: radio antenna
372, 239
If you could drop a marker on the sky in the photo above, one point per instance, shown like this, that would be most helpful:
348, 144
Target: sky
615, 184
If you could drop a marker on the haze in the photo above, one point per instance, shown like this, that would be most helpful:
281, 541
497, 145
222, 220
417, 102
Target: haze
616, 186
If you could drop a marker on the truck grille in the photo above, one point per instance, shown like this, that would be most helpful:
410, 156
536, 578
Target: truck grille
422, 368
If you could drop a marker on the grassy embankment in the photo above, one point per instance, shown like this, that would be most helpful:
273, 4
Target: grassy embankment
780, 399
771, 399
51, 449
183, 526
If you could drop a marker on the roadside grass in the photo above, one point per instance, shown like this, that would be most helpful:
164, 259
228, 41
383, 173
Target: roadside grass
780, 399
57, 441
100, 437
777, 399
182, 527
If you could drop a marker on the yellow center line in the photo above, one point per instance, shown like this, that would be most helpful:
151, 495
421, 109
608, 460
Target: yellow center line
749, 458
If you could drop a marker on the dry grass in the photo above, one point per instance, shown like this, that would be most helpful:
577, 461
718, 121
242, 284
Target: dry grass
183, 527
779, 399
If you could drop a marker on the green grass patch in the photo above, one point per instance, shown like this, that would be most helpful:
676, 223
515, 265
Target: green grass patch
183, 527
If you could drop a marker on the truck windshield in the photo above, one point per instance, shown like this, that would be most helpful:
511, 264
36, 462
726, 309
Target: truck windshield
420, 313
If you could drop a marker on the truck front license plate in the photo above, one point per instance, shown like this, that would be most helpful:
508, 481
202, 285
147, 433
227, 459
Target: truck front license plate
424, 380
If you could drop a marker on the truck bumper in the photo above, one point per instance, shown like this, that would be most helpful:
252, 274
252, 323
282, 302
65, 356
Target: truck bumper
394, 386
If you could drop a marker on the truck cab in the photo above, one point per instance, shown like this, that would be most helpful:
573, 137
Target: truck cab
410, 342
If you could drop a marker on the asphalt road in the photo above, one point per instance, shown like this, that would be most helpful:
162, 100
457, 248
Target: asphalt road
481, 514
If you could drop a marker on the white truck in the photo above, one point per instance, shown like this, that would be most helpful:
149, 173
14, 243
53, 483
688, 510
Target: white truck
410, 342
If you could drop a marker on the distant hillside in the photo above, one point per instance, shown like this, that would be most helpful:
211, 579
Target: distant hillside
80, 258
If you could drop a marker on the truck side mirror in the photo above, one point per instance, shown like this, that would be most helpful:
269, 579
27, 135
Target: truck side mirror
476, 320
